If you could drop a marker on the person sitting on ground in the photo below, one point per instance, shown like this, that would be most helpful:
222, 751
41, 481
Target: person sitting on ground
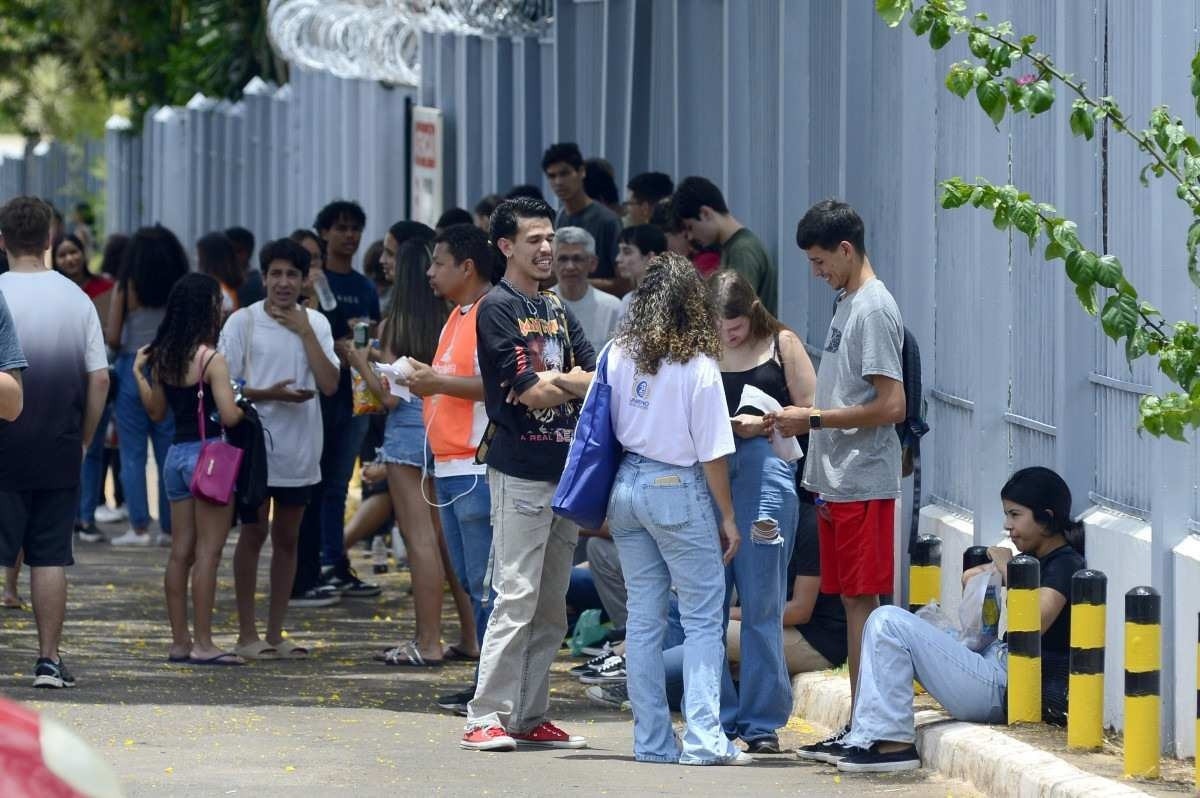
638, 245
179, 366
898, 646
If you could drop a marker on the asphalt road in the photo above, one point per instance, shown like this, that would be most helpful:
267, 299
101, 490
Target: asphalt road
339, 723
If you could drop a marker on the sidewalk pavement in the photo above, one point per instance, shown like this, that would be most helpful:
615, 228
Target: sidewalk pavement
992, 759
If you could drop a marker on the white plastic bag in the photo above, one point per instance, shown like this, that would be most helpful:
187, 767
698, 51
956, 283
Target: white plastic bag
979, 612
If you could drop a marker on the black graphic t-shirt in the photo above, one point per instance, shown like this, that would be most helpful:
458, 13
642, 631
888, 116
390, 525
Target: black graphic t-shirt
518, 336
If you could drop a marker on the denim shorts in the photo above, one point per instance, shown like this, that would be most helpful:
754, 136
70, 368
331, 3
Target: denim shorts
404, 437
178, 467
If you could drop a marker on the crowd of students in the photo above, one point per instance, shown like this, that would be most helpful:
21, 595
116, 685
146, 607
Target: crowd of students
749, 535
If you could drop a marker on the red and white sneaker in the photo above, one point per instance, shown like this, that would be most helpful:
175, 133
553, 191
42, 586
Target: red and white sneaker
547, 735
488, 738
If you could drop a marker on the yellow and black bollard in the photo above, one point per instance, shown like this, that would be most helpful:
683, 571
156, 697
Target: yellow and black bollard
1143, 660
1024, 640
975, 555
925, 572
1085, 691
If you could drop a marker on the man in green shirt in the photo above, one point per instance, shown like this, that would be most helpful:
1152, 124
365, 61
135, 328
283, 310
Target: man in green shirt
706, 218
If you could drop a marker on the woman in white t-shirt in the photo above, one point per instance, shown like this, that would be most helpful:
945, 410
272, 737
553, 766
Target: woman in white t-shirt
668, 411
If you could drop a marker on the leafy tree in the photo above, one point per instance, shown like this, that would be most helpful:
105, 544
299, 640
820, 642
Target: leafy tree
1172, 153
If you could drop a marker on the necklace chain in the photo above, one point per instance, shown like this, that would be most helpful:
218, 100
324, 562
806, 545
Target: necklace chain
534, 309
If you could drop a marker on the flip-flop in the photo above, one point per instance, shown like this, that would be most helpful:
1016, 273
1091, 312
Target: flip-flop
455, 654
8, 604
179, 660
259, 649
289, 650
223, 660
409, 656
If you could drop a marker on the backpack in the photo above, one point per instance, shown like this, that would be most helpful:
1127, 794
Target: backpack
913, 427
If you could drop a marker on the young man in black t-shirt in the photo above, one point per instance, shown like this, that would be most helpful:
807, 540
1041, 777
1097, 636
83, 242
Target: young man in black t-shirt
535, 364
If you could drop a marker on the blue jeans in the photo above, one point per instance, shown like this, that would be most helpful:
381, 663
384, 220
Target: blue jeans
764, 491
897, 647
91, 474
177, 471
662, 521
134, 427
344, 434
467, 526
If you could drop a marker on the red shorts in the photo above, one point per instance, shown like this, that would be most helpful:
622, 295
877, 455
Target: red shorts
857, 546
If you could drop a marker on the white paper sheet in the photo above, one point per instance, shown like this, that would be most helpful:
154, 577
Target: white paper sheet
397, 375
785, 448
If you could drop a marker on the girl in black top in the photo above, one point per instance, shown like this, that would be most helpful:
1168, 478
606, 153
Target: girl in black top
759, 352
180, 363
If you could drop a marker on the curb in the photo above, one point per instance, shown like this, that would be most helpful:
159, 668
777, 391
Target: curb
993, 762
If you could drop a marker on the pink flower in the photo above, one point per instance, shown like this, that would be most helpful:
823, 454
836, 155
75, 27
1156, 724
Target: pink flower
1025, 80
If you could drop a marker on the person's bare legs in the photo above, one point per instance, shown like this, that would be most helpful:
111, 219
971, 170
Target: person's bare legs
285, 534
175, 581
373, 513
424, 556
857, 610
245, 573
48, 589
12, 597
467, 642
211, 529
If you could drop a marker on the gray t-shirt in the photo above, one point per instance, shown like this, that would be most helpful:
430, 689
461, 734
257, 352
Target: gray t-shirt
604, 226
865, 339
598, 314
11, 356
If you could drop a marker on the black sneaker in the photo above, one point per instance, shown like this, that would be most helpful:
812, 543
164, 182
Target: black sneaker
871, 760
319, 596
592, 665
612, 671
828, 751
456, 702
345, 581
763, 745
48, 673
88, 533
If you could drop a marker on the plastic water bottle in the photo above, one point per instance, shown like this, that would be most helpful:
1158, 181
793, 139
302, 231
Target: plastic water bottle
379, 563
324, 292
398, 549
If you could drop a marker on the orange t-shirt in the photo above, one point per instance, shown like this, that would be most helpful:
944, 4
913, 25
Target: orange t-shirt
456, 425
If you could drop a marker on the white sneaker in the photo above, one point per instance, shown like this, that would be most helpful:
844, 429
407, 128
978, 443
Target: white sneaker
162, 540
131, 538
109, 515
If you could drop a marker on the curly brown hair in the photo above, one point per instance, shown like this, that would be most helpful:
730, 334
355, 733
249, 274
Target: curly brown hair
672, 316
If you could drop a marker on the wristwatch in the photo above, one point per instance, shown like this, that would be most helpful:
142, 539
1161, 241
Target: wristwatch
814, 419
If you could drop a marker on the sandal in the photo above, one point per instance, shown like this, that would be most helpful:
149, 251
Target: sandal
289, 650
454, 653
12, 603
409, 656
259, 649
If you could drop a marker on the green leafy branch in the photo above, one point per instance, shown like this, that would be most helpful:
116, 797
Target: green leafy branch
1172, 151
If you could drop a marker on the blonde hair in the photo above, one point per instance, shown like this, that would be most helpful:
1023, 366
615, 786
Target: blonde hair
671, 318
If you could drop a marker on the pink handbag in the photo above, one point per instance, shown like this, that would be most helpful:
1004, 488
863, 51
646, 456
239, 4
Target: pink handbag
216, 471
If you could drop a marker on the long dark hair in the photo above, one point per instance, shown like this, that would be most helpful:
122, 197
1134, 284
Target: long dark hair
153, 261
1047, 496
416, 316
217, 257
74, 239
192, 318
114, 251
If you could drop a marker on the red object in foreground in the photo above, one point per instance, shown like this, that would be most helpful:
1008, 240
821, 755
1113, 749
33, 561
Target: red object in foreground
42, 759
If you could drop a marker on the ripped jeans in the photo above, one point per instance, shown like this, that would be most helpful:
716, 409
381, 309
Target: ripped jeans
764, 496
532, 552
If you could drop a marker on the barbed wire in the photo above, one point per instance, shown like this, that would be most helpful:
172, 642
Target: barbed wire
380, 39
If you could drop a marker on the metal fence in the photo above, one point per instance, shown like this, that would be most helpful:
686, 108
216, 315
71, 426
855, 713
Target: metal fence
65, 174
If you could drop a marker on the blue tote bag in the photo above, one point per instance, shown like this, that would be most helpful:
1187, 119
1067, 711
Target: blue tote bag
593, 459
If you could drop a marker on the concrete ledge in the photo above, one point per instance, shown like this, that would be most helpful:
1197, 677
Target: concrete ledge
993, 762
